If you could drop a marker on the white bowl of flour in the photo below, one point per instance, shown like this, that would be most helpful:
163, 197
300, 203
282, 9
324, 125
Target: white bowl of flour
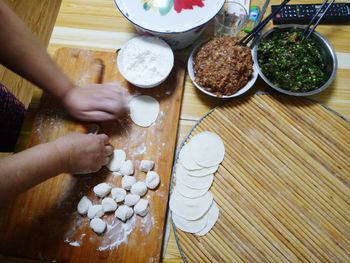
145, 61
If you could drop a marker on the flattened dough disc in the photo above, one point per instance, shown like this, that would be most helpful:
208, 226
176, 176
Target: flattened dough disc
189, 192
204, 171
187, 159
144, 110
212, 216
190, 226
207, 149
190, 209
203, 182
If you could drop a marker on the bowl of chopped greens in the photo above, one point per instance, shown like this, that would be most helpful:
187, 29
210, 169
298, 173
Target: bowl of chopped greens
294, 66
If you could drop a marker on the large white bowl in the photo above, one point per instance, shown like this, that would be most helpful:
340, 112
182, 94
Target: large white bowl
238, 93
179, 30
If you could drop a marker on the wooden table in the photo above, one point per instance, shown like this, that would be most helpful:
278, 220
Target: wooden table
96, 24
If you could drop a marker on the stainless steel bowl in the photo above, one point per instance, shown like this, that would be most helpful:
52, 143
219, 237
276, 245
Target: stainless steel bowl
327, 52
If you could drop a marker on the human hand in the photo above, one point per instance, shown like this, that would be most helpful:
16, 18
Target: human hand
96, 102
83, 153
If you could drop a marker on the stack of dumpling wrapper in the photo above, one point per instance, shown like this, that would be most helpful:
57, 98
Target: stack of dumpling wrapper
193, 207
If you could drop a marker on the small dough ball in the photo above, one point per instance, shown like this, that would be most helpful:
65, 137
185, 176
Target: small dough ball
127, 168
128, 181
95, 211
98, 225
152, 180
131, 199
141, 208
108, 204
102, 189
118, 194
116, 161
146, 165
83, 205
124, 212
139, 188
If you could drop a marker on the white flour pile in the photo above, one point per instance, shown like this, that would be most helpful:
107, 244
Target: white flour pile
145, 60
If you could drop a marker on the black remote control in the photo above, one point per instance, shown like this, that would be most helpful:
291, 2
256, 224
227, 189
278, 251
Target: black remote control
339, 13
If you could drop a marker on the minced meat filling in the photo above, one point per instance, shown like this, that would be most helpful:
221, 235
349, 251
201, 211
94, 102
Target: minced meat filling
222, 67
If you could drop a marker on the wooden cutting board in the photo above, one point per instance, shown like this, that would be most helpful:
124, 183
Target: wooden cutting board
283, 189
42, 223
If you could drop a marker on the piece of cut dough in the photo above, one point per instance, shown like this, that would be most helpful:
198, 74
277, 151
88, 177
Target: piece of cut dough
95, 211
141, 208
203, 182
127, 168
116, 161
139, 188
189, 192
146, 165
144, 110
190, 226
207, 149
124, 212
204, 171
128, 181
186, 158
190, 208
108, 204
131, 199
213, 215
152, 180
102, 189
98, 225
83, 205
118, 194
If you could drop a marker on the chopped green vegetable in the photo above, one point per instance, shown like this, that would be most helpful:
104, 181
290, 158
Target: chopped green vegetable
289, 63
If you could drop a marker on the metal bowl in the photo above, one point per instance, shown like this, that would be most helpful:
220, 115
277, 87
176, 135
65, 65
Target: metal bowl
327, 53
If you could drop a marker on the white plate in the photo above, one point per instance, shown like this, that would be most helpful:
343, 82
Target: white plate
238, 93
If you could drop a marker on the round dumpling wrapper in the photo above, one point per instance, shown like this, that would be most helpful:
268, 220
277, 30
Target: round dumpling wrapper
203, 182
207, 149
190, 226
144, 110
190, 209
186, 158
212, 217
203, 171
189, 192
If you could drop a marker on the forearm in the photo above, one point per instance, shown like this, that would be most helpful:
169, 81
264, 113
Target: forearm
24, 54
23, 170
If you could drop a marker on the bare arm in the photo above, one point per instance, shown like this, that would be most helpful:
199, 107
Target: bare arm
72, 153
18, 172
22, 53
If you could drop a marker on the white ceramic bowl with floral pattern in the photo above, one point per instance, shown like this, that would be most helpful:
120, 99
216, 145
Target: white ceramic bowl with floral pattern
178, 22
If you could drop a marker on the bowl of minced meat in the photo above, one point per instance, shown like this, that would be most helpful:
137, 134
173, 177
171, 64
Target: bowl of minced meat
221, 68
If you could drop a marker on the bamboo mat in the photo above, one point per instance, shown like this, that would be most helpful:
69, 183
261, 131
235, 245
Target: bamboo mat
283, 187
